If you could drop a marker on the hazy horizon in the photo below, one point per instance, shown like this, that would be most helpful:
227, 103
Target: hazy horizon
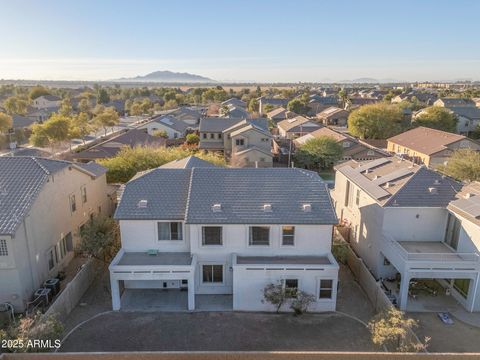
248, 41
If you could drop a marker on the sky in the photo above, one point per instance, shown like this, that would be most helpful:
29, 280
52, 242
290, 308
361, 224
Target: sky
241, 40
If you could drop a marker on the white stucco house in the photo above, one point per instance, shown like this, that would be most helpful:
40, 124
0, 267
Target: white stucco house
191, 226
46, 101
412, 224
43, 204
173, 127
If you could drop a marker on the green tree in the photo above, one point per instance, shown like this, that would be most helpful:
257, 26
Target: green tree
84, 106
160, 133
344, 99
323, 151
81, 125
136, 109
108, 118
192, 139
38, 91
437, 117
100, 239
54, 131
253, 105
65, 108
297, 106
102, 96
5, 122
15, 105
463, 165
376, 121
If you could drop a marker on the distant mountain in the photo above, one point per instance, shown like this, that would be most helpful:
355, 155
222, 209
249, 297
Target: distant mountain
367, 80
168, 76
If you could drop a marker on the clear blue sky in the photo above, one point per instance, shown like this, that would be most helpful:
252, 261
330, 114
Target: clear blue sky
249, 40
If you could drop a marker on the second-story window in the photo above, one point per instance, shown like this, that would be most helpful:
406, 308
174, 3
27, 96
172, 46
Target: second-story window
170, 231
259, 236
212, 136
212, 235
357, 197
73, 204
219, 136
288, 235
239, 142
204, 135
83, 190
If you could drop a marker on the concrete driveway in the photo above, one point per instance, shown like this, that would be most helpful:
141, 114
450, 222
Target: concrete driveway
219, 331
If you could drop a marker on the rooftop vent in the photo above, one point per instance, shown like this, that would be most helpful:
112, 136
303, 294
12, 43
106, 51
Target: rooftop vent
217, 207
437, 182
388, 184
468, 195
142, 204
367, 171
376, 177
267, 207
433, 190
307, 207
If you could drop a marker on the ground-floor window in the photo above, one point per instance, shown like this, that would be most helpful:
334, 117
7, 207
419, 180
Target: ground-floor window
325, 289
212, 274
291, 287
462, 286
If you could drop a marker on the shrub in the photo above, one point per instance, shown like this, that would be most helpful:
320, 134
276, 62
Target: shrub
301, 302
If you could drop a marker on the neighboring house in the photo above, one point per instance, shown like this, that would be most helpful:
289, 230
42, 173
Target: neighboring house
245, 142
319, 103
296, 127
174, 127
275, 102
280, 114
429, 146
333, 116
400, 226
42, 115
468, 118
211, 132
110, 148
248, 143
450, 102
235, 102
235, 112
352, 148
118, 105
189, 114
425, 98
43, 204
223, 232
46, 101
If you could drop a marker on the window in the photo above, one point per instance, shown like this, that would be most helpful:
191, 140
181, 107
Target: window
170, 231
452, 234
66, 245
347, 192
370, 153
212, 235
239, 142
204, 135
259, 235
3, 247
83, 190
357, 198
212, 136
219, 136
346, 144
291, 287
288, 235
51, 259
212, 274
73, 204
326, 289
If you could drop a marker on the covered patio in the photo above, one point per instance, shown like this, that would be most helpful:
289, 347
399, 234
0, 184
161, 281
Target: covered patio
164, 281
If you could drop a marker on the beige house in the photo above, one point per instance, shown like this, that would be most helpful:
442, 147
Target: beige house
44, 204
296, 127
280, 114
245, 143
333, 116
46, 101
429, 146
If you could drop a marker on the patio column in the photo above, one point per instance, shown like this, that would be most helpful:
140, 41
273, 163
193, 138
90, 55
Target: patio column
191, 293
404, 284
115, 288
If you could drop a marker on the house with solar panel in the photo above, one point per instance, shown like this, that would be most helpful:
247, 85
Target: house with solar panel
196, 236
416, 230
43, 205
174, 128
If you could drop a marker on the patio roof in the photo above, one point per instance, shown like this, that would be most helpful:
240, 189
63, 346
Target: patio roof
284, 260
161, 258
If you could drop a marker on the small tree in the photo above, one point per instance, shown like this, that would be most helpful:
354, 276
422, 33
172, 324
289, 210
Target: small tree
100, 239
52, 132
275, 295
36, 327
437, 117
297, 106
5, 122
81, 126
107, 118
301, 302
376, 121
390, 328
160, 133
192, 139
323, 151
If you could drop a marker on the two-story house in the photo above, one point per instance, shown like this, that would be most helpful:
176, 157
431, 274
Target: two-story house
46, 101
400, 226
296, 127
333, 116
225, 232
43, 204
431, 147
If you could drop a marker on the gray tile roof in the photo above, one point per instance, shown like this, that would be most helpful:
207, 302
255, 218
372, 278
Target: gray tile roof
216, 124
21, 180
171, 122
93, 167
187, 163
471, 112
185, 194
21, 121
